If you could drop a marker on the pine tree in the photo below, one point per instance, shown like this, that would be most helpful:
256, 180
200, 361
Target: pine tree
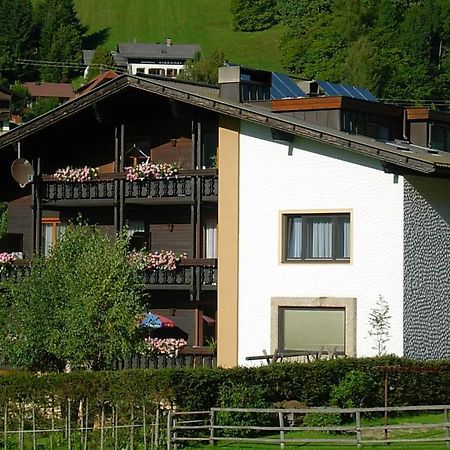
61, 37
15, 31
101, 59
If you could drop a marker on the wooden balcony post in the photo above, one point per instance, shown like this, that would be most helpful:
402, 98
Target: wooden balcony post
116, 182
36, 192
122, 182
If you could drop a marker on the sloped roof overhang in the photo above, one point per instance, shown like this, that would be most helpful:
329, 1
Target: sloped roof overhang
207, 98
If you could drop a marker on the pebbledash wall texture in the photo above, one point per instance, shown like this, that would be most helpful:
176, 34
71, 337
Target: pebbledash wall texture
426, 268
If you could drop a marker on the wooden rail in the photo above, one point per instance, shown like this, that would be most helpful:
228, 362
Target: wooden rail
213, 426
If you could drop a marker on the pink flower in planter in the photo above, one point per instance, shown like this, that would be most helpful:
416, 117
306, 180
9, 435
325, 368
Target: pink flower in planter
78, 175
148, 169
166, 346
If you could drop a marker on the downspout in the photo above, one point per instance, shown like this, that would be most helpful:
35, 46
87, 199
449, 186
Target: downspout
405, 137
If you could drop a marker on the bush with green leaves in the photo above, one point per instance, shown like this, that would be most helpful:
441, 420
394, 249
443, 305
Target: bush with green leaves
325, 420
354, 391
254, 15
242, 396
77, 308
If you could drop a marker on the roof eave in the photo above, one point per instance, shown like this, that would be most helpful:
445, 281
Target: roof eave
241, 111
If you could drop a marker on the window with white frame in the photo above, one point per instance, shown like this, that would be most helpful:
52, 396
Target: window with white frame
210, 237
316, 237
52, 230
312, 329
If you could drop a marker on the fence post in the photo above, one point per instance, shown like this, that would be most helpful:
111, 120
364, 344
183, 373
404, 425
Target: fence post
144, 426
157, 416
132, 428
33, 412
86, 425
116, 410
102, 427
211, 428
281, 422
169, 430
358, 428
69, 431
5, 427
447, 429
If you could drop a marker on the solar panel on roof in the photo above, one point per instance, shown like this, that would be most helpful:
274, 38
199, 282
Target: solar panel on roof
284, 87
346, 90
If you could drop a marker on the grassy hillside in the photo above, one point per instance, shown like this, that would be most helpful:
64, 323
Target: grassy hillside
204, 22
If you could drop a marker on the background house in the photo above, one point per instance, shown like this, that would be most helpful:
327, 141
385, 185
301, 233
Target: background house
166, 59
310, 223
61, 91
5, 109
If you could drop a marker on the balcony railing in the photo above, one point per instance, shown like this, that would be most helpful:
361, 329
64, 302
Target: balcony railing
159, 188
104, 188
190, 274
17, 271
88, 190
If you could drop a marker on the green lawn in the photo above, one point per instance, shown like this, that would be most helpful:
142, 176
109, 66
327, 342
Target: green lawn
204, 22
419, 433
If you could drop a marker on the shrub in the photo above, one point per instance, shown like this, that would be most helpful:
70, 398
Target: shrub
325, 420
242, 396
354, 391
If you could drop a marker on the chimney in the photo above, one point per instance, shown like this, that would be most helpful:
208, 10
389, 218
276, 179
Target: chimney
169, 42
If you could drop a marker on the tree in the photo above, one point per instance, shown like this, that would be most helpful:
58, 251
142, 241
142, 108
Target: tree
15, 31
3, 219
253, 15
60, 39
78, 307
19, 101
39, 107
379, 321
399, 49
101, 59
203, 70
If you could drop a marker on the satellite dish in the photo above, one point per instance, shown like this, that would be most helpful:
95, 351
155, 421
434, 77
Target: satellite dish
22, 171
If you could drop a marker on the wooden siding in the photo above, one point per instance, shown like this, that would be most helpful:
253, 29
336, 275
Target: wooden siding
324, 103
328, 118
20, 222
178, 151
178, 240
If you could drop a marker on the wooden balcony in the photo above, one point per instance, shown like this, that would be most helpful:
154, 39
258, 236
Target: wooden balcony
186, 187
17, 271
191, 274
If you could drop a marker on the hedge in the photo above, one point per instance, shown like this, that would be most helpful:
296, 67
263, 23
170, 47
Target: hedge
417, 383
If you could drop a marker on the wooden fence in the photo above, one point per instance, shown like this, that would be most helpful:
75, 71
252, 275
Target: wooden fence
181, 361
289, 426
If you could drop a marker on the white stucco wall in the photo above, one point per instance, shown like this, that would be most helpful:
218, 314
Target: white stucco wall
313, 176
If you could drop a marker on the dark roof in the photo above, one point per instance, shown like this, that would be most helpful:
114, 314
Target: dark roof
346, 90
284, 87
157, 51
394, 156
60, 90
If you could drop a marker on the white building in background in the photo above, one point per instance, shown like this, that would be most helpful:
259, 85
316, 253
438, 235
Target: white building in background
137, 58
166, 59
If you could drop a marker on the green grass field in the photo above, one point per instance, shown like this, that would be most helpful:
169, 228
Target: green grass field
368, 435
204, 22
